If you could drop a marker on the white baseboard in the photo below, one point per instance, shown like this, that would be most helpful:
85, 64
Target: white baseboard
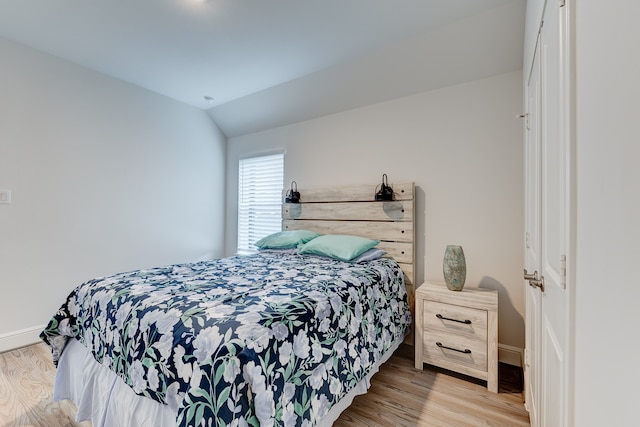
21, 338
510, 355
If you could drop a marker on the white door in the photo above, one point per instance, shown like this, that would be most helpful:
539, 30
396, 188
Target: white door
533, 257
547, 195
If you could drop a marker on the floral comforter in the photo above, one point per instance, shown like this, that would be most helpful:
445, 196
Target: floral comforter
268, 339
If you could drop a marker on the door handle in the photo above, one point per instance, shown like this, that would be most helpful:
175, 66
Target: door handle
534, 280
529, 276
537, 283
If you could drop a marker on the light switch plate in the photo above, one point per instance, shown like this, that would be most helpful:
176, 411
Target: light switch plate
5, 197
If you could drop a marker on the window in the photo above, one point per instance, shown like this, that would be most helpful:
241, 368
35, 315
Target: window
260, 185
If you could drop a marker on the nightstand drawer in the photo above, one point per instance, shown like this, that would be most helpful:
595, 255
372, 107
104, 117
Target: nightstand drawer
441, 346
455, 320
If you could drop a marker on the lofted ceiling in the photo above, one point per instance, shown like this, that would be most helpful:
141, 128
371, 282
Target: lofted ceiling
266, 63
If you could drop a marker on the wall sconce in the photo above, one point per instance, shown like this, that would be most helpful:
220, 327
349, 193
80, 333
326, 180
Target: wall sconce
292, 196
386, 192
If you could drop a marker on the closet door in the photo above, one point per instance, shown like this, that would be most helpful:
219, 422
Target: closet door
555, 214
533, 202
548, 201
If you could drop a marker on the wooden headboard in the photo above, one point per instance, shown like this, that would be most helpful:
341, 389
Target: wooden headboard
352, 210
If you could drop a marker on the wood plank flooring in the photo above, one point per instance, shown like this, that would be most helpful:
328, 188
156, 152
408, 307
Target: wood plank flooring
400, 396
26, 389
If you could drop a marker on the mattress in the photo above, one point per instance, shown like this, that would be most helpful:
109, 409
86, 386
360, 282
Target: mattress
275, 338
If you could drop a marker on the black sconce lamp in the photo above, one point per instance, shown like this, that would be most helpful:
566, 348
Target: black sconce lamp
292, 196
386, 192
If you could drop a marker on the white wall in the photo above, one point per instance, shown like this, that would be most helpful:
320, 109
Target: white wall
607, 340
105, 177
461, 145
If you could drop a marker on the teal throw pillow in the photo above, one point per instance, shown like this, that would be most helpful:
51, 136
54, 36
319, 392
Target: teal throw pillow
338, 246
286, 239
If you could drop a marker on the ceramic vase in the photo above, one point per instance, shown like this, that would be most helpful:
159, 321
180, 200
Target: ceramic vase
454, 268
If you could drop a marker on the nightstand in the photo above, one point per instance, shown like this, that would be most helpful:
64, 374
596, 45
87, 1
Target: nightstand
458, 330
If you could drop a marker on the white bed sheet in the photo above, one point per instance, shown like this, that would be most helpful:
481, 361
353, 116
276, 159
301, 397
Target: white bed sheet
104, 398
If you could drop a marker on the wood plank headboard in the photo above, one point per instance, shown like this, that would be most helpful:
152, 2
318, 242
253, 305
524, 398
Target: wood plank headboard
352, 210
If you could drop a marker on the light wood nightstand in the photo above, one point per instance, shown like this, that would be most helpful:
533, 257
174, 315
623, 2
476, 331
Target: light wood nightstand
458, 330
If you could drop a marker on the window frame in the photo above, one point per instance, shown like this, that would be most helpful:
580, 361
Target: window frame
260, 189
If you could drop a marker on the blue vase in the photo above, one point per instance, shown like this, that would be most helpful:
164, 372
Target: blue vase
454, 268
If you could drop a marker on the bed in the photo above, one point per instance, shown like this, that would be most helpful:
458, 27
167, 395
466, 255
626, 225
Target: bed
283, 337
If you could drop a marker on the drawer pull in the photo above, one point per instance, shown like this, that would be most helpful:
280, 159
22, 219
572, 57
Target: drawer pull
441, 317
465, 351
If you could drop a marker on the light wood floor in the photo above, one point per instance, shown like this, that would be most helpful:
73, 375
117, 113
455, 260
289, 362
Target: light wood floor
399, 396
26, 389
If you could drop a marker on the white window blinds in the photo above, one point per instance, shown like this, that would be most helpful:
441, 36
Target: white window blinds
259, 199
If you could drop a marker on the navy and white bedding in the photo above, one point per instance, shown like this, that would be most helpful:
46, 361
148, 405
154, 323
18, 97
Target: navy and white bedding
274, 338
